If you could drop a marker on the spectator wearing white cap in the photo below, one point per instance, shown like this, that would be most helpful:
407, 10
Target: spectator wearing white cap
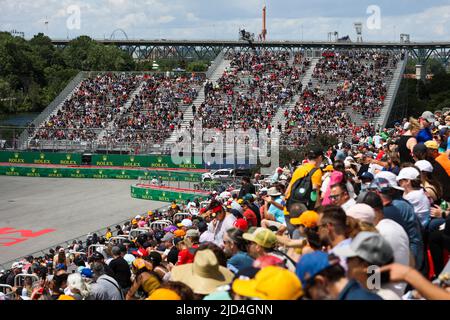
432, 187
395, 207
409, 179
16, 268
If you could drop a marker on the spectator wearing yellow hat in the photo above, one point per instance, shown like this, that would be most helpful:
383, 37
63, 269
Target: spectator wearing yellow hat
305, 239
172, 290
164, 294
270, 283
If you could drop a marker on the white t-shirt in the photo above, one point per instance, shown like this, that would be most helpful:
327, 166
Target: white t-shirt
397, 237
350, 203
222, 227
421, 204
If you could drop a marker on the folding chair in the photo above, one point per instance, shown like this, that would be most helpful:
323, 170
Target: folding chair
19, 279
8, 292
160, 225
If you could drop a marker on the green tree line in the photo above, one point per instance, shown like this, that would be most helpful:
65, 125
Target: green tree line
416, 96
33, 72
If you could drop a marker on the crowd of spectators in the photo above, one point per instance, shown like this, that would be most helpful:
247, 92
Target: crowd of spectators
323, 228
250, 91
155, 111
342, 82
95, 103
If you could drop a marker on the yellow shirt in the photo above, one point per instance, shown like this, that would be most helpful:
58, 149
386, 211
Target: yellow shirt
108, 235
302, 172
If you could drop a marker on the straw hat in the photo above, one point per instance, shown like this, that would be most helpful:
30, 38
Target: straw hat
204, 275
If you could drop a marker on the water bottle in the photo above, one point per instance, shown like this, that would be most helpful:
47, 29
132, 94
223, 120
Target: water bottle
444, 205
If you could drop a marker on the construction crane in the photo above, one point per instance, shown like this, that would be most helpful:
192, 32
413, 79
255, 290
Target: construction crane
262, 35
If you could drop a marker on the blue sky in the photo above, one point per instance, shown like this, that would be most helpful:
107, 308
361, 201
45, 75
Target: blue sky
211, 19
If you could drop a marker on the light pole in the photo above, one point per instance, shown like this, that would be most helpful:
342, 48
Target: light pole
358, 28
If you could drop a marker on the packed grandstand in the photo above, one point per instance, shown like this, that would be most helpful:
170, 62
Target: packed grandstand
340, 94
312, 230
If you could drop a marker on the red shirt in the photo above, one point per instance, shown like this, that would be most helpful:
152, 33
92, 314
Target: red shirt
186, 255
250, 216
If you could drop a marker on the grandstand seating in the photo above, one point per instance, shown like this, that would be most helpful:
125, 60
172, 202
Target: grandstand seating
340, 94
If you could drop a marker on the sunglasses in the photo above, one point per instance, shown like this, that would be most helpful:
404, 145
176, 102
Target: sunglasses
336, 196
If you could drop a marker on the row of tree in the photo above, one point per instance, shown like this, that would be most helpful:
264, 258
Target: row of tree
416, 96
33, 72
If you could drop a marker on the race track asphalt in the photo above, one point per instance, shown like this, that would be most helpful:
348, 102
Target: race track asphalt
73, 207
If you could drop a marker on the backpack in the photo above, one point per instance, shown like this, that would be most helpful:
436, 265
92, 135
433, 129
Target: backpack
301, 191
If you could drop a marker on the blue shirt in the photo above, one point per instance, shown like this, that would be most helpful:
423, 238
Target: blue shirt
354, 291
277, 213
424, 135
239, 261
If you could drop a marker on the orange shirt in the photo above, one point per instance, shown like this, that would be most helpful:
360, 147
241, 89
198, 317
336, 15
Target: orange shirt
444, 162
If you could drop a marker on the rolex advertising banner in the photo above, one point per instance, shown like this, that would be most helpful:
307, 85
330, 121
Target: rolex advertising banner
102, 173
165, 195
101, 160
40, 158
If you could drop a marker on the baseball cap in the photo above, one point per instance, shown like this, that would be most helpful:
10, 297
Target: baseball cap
362, 212
17, 265
367, 175
424, 166
138, 217
312, 264
87, 273
391, 178
168, 237
170, 229
408, 173
406, 126
443, 131
262, 236
164, 294
247, 197
369, 154
192, 233
97, 256
179, 233
185, 223
369, 246
308, 218
270, 283
429, 116
241, 224
431, 144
